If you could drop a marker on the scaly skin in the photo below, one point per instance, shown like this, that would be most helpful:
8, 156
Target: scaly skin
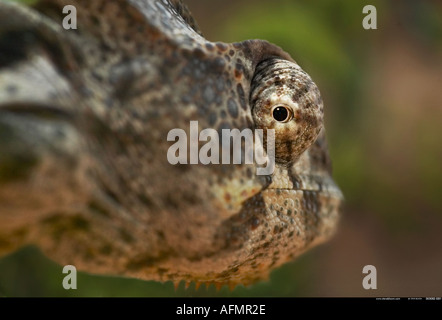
84, 117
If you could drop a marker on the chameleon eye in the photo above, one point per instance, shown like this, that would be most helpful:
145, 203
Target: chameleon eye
280, 92
282, 113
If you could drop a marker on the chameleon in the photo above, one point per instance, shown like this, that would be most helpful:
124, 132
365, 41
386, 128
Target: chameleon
84, 119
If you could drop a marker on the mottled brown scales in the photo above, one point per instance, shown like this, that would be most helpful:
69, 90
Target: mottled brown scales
84, 118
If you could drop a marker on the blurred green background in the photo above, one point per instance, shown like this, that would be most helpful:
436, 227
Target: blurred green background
383, 95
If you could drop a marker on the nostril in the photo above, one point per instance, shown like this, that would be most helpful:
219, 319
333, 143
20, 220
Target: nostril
16, 158
27, 140
14, 46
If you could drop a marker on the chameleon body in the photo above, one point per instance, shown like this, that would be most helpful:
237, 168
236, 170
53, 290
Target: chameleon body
84, 119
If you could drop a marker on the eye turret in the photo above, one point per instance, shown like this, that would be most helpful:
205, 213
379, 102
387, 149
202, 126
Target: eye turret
285, 98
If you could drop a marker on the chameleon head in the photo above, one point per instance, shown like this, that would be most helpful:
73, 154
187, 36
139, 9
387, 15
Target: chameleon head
284, 98
84, 117
299, 207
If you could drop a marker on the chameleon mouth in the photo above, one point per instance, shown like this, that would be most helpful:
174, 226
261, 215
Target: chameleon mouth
309, 183
330, 191
43, 112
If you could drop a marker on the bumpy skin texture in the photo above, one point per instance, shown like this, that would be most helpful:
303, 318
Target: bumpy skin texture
84, 116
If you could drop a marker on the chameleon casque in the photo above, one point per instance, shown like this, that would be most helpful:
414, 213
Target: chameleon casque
84, 117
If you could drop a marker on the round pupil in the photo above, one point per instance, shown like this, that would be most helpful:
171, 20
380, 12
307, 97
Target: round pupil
280, 113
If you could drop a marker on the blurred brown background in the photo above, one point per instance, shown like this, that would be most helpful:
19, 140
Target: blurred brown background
383, 96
